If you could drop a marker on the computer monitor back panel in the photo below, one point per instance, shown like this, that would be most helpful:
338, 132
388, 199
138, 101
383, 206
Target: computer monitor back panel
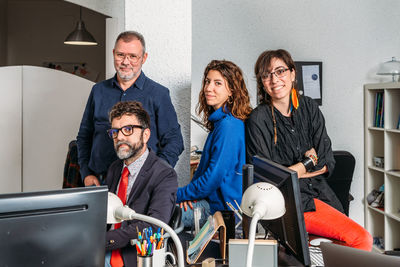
289, 230
53, 228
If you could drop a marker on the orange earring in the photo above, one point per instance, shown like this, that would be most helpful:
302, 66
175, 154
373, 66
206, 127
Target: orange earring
295, 100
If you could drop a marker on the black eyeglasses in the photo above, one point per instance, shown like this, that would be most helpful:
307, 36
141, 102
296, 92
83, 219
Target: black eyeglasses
126, 130
279, 73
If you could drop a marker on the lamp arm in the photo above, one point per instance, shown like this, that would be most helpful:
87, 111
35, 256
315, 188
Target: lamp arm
125, 212
252, 237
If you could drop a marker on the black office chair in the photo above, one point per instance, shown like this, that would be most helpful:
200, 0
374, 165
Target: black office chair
342, 176
72, 176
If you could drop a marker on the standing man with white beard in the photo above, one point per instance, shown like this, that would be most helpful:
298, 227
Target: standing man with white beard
95, 149
142, 181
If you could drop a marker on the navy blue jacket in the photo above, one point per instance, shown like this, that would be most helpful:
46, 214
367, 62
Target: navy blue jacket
96, 149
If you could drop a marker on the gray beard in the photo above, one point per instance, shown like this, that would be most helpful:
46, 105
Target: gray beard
126, 77
133, 150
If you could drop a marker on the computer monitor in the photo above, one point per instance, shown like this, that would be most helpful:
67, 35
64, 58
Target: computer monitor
54, 228
289, 230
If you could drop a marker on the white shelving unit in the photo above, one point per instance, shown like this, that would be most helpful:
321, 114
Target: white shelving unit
383, 142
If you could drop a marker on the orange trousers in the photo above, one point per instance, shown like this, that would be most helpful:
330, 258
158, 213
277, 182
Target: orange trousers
328, 222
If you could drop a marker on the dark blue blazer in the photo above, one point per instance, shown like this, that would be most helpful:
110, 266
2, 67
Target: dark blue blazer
152, 194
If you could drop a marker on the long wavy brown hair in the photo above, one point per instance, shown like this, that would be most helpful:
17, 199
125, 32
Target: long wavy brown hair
238, 104
261, 69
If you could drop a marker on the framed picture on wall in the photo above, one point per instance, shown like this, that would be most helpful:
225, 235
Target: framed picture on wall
309, 79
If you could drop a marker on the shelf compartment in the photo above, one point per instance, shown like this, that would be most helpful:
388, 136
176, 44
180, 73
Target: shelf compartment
396, 131
375, 222
392, 151
377, 179
392, 196
392, 108
376, 169
374, 145
394, 173
392, 234
370, 97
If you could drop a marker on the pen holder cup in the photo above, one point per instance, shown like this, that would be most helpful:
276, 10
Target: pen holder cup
160, 256
144, 261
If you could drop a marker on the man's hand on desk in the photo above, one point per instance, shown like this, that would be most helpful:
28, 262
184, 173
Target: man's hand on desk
91, 180
187, 203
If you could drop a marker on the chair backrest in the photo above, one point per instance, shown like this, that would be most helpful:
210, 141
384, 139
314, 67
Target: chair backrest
342, 176
175, 221
72, 177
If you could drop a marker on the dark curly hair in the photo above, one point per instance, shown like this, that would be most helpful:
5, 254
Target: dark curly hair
130, 108
261, 68
240, 104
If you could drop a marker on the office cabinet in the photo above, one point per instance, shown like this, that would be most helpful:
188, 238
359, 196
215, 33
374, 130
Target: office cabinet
382, 141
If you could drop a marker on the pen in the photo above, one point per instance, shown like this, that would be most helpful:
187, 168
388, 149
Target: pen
234, 210
240, 210
138, 249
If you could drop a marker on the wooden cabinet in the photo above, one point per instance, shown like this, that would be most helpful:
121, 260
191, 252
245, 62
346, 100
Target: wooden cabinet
383, 142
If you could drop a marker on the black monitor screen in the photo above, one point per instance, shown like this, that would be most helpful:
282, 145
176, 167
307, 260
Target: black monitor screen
290, 229
54, 228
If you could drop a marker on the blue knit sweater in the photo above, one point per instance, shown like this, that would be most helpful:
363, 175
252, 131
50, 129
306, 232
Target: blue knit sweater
218, 178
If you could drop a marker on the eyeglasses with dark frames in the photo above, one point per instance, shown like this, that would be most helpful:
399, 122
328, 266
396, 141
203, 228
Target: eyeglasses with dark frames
279, 73
126, 130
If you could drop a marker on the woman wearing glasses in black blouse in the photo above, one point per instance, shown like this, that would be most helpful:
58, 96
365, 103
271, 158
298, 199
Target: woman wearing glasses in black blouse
290, 129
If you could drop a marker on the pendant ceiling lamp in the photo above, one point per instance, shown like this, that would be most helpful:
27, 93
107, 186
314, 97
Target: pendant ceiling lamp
80, 36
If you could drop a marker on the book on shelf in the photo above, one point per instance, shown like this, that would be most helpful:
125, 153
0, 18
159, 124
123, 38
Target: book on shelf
379, 110
398, 123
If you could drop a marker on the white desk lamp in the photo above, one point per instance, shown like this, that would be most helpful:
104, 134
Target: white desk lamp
261, 201
117, 212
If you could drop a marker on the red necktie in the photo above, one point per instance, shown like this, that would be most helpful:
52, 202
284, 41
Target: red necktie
116, 258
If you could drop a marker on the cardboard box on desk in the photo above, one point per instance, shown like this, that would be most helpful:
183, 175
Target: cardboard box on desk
265, 253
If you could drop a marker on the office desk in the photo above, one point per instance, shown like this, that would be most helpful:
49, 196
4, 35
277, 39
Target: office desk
212, 251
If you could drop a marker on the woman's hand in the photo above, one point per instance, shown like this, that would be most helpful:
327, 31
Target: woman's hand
312, 154
187, 203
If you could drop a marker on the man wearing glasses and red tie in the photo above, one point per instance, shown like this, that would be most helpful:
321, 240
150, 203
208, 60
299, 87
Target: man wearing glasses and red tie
141, 180
95, 150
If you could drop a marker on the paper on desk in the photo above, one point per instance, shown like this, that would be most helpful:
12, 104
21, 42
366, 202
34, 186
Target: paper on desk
200, 240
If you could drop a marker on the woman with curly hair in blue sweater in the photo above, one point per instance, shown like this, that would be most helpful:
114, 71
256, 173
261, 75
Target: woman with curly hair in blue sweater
224, 104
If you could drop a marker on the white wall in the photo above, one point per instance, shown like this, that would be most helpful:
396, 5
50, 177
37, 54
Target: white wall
350, 37
166, 26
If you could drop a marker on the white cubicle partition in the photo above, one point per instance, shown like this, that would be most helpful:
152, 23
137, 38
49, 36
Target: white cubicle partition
50, 104
10, 129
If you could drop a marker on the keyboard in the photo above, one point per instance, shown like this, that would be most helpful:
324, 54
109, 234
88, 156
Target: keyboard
316, 256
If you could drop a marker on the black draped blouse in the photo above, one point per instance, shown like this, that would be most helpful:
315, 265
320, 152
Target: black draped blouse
295, 135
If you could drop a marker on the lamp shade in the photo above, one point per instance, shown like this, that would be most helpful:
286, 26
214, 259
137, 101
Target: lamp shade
114, 202
391, 67
80, 36
265, 199
261, 201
